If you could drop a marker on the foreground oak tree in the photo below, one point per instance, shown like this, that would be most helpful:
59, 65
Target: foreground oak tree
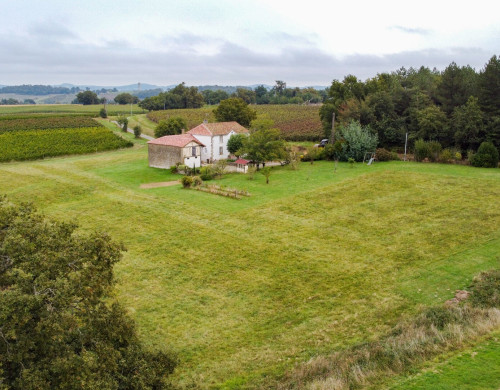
59, 328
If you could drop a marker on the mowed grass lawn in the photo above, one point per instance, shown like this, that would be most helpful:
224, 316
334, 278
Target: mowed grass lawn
241, 290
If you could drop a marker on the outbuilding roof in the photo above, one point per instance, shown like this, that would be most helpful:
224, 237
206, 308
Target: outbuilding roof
218, 128
242, 161
179, 140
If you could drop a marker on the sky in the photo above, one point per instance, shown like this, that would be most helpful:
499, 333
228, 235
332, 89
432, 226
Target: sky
237, 42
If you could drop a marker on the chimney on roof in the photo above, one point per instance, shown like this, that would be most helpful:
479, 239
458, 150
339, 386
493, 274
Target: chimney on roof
182, 131
205, 121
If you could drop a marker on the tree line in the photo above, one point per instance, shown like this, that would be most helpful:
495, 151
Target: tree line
190, 97
457, 107
28, 89
13, 102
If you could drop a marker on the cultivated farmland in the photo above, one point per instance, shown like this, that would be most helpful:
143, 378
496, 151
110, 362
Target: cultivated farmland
242, 290
296, 122
93, 110
36, 122
31, 137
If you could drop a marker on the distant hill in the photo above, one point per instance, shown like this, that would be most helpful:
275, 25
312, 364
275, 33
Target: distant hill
146, 90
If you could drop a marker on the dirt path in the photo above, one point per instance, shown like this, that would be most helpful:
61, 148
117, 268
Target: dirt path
159, 184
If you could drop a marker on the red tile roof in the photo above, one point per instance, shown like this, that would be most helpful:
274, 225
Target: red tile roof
219, 128
242, 161
179, 140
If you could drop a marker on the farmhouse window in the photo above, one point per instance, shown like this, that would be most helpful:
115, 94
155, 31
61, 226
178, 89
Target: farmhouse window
221, 150
194, 151
221, 139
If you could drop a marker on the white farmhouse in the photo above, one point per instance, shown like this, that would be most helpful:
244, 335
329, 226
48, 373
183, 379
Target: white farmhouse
215, 136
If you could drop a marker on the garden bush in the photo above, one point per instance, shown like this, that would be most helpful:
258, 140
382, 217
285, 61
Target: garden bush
197, 181
206, 173
427, 149
434, 150
382, 154
394, 156
314, 154
123, 122
137, 131
485, 289
187, 181
446, 156
358, 141
486, 156
421, 151
103, 113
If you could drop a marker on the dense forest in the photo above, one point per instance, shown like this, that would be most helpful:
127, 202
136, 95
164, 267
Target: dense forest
457, 107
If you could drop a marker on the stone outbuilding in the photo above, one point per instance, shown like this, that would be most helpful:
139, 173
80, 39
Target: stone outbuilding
170, 150
215, 136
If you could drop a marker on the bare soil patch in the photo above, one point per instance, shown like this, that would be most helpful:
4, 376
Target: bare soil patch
159, 184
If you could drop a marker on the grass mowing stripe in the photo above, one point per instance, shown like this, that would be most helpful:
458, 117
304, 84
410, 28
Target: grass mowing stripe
312, 262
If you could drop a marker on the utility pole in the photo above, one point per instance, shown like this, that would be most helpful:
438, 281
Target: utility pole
332, 135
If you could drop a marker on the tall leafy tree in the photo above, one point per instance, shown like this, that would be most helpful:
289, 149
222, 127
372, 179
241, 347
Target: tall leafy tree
171, 126
456, 86
433, 125
247, 95
468, 125
234, 109
87, 98
261, 95
489, 87
235, 143
126, 98
59, 328
264, 145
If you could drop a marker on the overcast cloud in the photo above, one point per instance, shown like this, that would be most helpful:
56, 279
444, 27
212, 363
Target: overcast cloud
230, 42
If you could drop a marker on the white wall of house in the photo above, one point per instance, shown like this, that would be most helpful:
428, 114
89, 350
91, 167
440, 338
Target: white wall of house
220, 146
206, 151
192, 162
192, 155
212, 151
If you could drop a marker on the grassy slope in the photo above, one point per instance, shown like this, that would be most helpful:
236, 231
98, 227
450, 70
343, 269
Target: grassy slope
312, 262
147, 126
476, 368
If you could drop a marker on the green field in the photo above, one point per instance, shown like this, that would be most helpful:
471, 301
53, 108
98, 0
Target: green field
241, 290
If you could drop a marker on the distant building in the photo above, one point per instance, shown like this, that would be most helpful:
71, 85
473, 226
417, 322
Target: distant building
170, 150
215, 136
